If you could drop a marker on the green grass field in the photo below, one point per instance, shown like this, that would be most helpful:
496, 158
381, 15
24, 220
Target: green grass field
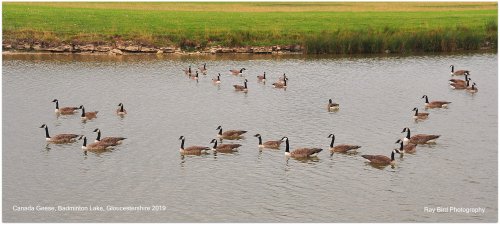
322, 27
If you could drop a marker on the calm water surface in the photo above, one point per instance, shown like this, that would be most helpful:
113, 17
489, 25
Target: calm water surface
376, 95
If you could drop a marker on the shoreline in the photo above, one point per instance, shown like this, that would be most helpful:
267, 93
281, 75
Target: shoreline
90, 49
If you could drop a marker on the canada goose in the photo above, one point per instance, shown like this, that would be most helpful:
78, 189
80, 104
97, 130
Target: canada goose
121, 110
418, 138
332, 106
87, 115
460, 86
112, 140
282, 79
419, 116
435, 104
343, 148
381, 160
458, 72
262, 78
230, 134
268, 144
240, 87
188, 71
60, 138
459, 81
237, 72
409, 148
300, 152
64, 110
216, 81
97, 146
203, 69
192, 150
280, 85
194, 77
224, 148
473, 89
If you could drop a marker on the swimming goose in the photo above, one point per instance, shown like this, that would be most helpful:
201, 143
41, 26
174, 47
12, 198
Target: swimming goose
192, 150
458, 72
194, 77
282, 79
418, 138
121, 110
60, 138
237, 72
216, 81
342, 148
409, 148
87, 115
262, 78
460, 86
435, 104
187, 71
268, 144
381, 160
419, 116
224, 148
459, 81
240, 87
96, 146
473, 89
203, 69
64, 110
300, 152
332, 106
230, 134
280, 85
112, 140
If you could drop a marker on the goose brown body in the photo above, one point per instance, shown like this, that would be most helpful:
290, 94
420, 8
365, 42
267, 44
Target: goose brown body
217, 79
458, 72
418, 138
332, 105
419, 115
280, 85
380, 159
110, 140
342, 148
88, 115
96, 146
242, 88
459, 81
237, 72
192, 150
64, 110
273, 144
224, 148
435, 104
230, 134
300, 153
408, 148
460, 86
473, 89
59, 138
262, 78
121, 110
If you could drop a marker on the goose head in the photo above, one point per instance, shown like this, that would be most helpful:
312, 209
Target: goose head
97, 130
257, 135
181, 138
331, 135
219, 128
43, 126
55, 100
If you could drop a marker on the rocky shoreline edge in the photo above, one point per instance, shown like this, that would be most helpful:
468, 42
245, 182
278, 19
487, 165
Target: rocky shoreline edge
124, 49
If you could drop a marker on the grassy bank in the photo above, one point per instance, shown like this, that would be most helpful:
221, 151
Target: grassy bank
319, 27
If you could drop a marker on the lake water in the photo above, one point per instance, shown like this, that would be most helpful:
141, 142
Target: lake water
376, 96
